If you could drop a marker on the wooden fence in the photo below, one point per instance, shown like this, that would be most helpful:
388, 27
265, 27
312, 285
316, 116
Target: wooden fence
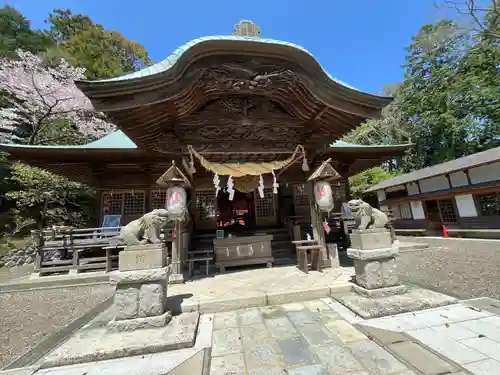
79, 249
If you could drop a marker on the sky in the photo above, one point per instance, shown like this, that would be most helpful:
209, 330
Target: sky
358, 42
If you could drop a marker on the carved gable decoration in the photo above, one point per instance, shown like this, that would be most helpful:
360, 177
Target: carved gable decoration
237, 120
250, 78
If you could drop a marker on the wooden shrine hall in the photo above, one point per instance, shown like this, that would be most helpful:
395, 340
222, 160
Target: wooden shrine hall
260, 110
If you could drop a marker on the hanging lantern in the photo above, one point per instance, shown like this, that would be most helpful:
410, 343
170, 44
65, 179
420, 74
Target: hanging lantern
176, 202
323, 195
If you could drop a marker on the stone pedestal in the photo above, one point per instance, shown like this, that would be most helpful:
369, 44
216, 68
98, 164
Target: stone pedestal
374, 263
377, 291
141, 288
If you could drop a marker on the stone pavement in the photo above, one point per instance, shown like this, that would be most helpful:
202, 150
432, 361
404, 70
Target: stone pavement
322, 337
308, 338
465, 336
257, 287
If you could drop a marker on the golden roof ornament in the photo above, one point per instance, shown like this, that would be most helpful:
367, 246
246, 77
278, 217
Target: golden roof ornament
246, 28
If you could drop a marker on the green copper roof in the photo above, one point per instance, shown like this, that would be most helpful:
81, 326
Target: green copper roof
166, 64
119, 140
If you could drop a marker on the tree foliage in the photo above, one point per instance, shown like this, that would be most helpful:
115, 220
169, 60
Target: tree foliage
364, 180
101, 52
15, 33
46, 199
448, 105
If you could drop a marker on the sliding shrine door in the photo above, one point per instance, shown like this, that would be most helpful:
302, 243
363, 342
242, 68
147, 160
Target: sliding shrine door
206, 209
266, 208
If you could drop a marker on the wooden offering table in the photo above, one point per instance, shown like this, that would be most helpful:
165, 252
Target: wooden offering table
241, 251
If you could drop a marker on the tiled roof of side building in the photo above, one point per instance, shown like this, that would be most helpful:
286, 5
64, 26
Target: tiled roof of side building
465, 162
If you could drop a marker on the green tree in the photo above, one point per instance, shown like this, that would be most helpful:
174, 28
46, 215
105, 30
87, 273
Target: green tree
101, 52
359, 183
47, 199
15, 33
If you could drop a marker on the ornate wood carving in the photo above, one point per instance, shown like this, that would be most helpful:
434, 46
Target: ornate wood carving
247, 78
251, 121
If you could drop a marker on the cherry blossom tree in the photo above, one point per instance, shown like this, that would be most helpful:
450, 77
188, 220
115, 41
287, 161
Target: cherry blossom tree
38, 96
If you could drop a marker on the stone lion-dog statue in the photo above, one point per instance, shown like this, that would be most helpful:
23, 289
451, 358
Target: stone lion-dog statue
367, 217
145, 230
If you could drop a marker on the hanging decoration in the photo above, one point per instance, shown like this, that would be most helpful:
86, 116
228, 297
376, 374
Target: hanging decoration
216, 184
305, 166
176, 202
245, 169
275, 184
246, 184
230, 188
260, 188
323, 195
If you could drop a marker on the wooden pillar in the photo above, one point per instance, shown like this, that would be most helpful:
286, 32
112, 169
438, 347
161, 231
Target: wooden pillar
316, 217
344, 172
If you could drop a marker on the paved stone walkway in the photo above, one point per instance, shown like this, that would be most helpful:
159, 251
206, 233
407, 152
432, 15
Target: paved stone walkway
308, 338
462, 336
269, 284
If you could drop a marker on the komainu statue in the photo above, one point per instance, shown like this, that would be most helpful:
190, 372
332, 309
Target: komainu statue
142, 231
367, 217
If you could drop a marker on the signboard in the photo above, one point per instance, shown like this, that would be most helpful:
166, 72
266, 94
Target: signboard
346, 212
111, 221
219, 234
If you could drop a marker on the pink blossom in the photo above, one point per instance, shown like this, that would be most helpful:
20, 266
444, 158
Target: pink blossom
38, 93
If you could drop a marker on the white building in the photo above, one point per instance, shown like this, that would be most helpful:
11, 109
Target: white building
463, 194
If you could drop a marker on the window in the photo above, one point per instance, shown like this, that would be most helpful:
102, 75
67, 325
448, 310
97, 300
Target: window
447, 209
405, 211
489, 204
158, 199
133, 203
264, 207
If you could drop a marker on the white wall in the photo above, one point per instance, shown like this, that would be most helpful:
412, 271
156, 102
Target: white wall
412, 188
434, 184
490, 172
458, 179
381, 195
465, 205
417, 210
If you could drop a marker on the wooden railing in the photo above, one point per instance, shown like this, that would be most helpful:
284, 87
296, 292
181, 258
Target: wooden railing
79, 249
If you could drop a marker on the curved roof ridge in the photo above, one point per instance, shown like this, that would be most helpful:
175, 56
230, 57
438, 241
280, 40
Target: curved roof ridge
167, 63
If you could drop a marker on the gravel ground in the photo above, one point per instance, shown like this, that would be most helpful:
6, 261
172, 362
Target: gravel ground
11, 274
29, 317
463, 270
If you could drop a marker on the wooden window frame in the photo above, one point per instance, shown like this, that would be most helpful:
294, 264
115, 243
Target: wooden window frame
477, 203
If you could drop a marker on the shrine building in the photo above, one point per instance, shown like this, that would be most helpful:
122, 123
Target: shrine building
256, 111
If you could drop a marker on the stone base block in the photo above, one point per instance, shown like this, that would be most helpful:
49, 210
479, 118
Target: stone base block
95, 342
375, 254
381, 292
415, 299
139, 323
140, 276
373, 274
140, 293
370, 239
142, 259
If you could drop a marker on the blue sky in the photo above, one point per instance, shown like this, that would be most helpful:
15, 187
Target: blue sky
359, 42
